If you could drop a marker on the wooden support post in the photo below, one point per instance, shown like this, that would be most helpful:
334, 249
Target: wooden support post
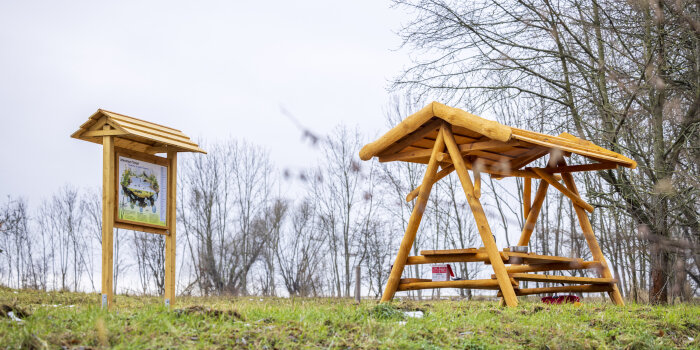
573, 196
108, 202
592, 241
170, 238
533, 214
482, 224
414, 221
527, 196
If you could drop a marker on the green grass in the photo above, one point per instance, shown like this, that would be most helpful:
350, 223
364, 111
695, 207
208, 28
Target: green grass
276, 323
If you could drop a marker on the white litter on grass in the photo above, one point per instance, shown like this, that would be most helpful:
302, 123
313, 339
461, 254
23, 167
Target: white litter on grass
415, 314
13, 317
691, 339
402, 323
466, 333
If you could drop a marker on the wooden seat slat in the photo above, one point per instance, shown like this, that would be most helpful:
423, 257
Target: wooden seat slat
449, 251
560, 279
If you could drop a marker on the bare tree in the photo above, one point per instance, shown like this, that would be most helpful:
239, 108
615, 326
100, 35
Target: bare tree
622, 74
300, 252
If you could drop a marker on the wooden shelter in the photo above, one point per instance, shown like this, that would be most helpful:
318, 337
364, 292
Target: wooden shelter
454, 140
136, 142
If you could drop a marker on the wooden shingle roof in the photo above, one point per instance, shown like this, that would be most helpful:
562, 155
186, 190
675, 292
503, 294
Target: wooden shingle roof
136, 134
492, 143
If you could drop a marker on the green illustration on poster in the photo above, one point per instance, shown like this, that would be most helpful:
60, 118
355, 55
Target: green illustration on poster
142, 192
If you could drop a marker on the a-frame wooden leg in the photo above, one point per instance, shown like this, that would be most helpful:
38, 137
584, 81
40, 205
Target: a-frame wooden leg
414, 221
592, 241
533, 213
499, 268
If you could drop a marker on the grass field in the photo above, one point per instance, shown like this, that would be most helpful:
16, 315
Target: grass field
74, 320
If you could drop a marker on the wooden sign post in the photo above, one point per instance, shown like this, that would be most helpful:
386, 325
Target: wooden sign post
138, 187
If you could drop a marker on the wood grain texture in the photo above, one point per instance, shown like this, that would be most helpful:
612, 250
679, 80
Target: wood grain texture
170, 239
480, 218
413, 222
592, 242
565, 191
108, 207
533, 214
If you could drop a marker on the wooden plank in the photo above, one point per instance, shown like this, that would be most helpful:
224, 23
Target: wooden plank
120, 116
407, 126
535, 153
413, 222
592, 242
128, 226
449, 251
554, 142
463, 284
560, 279
108, 206
585, 288
436, 259
100, 133
529, 258
533, 213
574, 265
170, 243
480, 218
488, 146
582, 167
573, 196
413, 280
406, 156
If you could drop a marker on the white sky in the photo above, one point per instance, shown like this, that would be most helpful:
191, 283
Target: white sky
213, 69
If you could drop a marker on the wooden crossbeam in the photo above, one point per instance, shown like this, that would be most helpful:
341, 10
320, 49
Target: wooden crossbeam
533, 213
574, 265
533, 259
450, 251
560, 279
573, 196
464, 284
582, 167
438, 259
584, 288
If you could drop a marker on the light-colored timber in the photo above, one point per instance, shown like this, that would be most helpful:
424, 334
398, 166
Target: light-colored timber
108, 201
560, 279
435, 259
581, 288
573, 196
465, 284
449, 251
125, 136
458, 141
527, 196
576, 264
414, 221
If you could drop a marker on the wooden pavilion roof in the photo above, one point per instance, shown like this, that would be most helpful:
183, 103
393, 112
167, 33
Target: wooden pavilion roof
135, 134
495, 145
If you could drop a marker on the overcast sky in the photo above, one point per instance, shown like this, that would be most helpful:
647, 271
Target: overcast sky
213, 69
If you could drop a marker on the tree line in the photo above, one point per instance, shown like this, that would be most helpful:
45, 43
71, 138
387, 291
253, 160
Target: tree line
624, 75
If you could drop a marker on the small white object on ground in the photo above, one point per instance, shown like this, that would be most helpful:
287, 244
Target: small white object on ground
13, 317
416, 314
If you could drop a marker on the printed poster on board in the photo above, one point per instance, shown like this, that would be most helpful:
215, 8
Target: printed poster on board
142, 192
